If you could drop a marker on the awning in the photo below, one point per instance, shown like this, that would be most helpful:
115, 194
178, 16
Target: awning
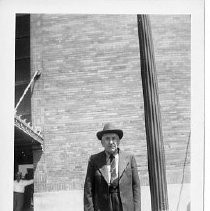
28, 134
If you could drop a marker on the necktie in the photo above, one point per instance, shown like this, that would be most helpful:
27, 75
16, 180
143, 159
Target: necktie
113, 168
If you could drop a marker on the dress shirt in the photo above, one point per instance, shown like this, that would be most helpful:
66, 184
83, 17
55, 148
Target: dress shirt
19, 187
108, 166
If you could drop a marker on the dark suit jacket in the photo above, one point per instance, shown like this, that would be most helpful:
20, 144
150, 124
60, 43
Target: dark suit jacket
96, 189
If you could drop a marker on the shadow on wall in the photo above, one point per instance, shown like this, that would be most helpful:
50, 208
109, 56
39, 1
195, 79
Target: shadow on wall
37, 154
38, 162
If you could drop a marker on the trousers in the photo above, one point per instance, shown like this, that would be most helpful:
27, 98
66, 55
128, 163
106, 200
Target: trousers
18, 200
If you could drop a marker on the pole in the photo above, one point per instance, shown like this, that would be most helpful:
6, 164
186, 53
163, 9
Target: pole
155, 148
37, 73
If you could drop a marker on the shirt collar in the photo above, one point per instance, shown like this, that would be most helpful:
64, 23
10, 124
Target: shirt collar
108, 155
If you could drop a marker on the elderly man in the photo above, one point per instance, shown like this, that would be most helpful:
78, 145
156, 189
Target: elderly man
112, 181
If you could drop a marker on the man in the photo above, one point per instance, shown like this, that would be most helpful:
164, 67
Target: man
112, 181
19, 188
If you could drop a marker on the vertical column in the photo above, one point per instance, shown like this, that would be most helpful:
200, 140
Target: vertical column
155, 148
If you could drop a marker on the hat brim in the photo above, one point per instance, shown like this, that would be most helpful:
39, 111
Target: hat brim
101, 133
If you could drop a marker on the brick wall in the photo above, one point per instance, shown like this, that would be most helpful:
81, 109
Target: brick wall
90, 75
172, 39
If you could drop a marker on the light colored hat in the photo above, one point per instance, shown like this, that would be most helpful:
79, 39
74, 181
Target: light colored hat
109, 128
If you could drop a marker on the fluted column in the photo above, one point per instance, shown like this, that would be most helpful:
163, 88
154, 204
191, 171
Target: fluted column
155, 148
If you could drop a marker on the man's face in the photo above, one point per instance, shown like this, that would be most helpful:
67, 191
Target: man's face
18, 176
110, 142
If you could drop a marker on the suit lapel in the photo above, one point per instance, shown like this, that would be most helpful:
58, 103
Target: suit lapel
123, 163
102, 167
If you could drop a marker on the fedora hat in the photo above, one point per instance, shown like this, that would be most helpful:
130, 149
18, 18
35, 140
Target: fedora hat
109, 128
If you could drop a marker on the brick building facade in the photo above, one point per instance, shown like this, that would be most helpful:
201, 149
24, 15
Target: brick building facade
90, 67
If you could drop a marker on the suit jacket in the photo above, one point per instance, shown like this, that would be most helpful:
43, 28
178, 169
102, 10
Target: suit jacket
96, 188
